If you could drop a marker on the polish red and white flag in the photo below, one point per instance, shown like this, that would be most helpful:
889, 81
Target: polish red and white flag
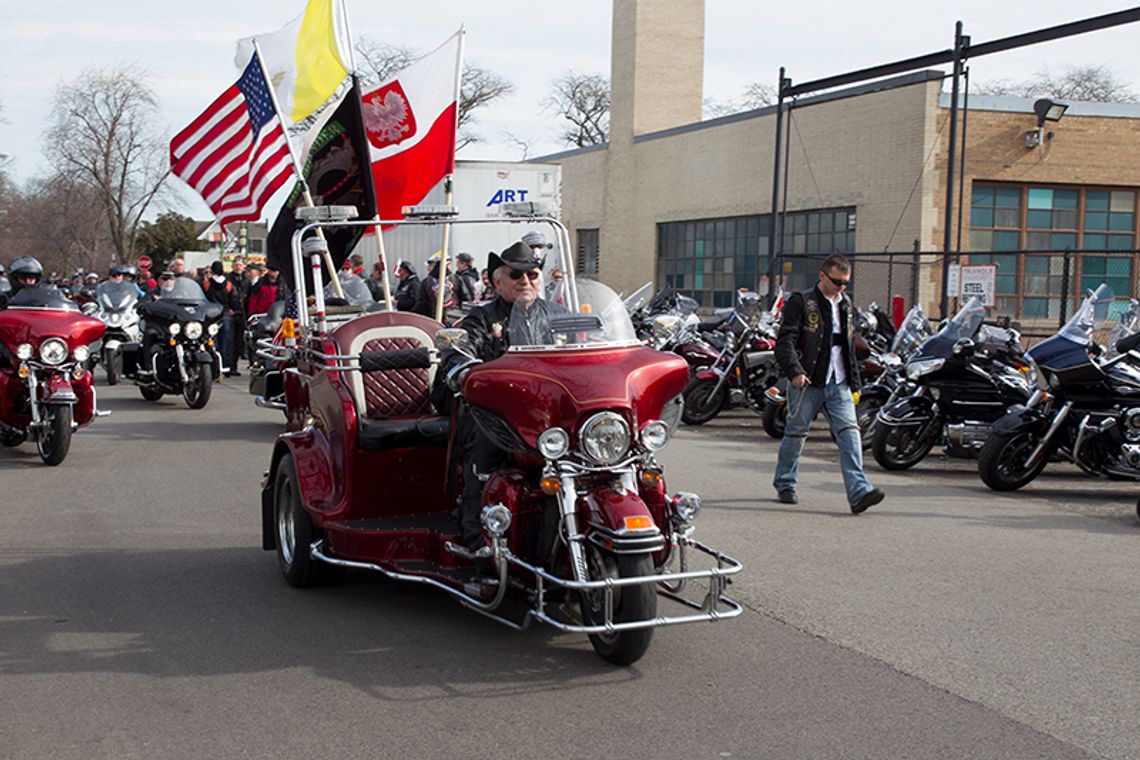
411, 121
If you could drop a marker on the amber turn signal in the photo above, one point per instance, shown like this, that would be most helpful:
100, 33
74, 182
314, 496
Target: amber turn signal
650, 477
23, 372
288, 328
173, 342
551, 486
640, 522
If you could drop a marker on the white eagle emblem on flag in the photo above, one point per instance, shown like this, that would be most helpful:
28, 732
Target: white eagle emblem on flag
388, 117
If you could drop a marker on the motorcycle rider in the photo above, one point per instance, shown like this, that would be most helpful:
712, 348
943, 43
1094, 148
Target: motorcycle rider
220, 290
515, 310
816, 351
26, 271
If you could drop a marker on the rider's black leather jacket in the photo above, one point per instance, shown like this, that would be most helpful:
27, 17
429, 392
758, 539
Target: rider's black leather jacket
803, 345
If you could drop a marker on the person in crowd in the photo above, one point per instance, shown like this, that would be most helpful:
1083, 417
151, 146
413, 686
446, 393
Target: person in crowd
815, 348
488, 286
273, 277
221, 291
468, 287
430, 285
178, 267
262, 291
146, 282
554, 285
410, 293
375, 281
25, 272
356, 264
238, 279
537, 243
517, 280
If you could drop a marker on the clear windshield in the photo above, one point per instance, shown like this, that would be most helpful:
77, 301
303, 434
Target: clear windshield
1095, 306
914, 329
637, 299
116, 296
601, 318
1126, 324
966, 322
42, 296
182, 289
355, 289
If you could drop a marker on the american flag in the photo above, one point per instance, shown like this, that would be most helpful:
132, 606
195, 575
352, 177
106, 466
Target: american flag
235, 154
291, 312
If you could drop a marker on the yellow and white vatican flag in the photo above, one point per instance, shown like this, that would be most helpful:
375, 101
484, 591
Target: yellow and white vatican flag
305, 59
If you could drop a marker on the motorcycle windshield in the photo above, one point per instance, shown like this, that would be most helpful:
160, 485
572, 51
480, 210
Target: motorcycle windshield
962, 325
355, 290
116, 296
602, 319
1080, 328
42, 297
1126, 324
636, 300
914, 329
182, 289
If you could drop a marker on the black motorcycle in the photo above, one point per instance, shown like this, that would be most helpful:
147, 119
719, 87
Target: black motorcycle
957, 383
177, 353
1086, 409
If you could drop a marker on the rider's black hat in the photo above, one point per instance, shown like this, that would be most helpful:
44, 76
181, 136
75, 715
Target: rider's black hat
519, 257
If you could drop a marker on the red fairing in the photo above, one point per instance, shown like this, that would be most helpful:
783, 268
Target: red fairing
85, 399
34, 325
539, 390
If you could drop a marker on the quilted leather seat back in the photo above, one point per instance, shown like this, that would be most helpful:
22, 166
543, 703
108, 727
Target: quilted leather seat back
393, 393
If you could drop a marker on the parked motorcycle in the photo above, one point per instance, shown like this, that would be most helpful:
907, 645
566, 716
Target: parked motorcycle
957, 383
578, 513
177, 354
1086, 408
45, 391
743, 370
115, 304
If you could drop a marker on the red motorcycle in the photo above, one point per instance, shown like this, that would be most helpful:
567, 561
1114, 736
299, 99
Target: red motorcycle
367, 475
45, 390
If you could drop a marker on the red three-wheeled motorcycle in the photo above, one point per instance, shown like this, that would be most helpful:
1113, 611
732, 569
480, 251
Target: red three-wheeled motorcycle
579, 529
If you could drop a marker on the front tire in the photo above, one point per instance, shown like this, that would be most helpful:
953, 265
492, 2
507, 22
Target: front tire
631, 603
113, 363
1003, 460
867, 413
701, 403
54, 439
775, 418
150, 392
196, 393
900, 447
295, 531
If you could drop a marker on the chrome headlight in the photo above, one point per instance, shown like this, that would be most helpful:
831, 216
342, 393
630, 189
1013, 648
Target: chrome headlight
605, 438
81, 353
915, 370
114, 319
686, 506
193, 330
24, 351
496, 519
174, 328
554, 443
655, 435
53, 351
213, 329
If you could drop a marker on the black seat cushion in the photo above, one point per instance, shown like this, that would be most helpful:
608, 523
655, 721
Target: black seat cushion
381, 435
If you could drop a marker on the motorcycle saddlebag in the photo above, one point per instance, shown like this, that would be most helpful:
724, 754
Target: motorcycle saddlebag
131, 352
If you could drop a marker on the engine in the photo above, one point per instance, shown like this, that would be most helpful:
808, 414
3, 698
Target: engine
967, 438
1130, 420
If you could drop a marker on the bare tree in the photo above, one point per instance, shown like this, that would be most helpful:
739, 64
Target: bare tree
103, 138
1095, 84
584, 101
478, 87
756, 95
521, 143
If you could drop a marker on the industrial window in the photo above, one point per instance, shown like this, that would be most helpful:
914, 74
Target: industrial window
587, 263
710, 259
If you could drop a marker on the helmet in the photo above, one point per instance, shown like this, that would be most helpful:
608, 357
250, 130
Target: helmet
26, 266
129, 270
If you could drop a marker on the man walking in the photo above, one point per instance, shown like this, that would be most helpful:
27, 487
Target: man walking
816, 351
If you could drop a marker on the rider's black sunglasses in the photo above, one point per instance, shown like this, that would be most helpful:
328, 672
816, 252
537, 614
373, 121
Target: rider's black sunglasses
531, 274
835, 282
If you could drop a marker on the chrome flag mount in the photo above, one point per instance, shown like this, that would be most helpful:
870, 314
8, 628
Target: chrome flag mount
236, 154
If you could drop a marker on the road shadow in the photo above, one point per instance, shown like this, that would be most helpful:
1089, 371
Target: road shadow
224, 611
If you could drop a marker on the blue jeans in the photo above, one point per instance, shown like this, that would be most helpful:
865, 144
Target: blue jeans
224, 344
803, 406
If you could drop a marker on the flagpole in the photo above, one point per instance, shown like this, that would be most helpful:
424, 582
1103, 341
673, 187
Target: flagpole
366, 166
445, 262
308, 198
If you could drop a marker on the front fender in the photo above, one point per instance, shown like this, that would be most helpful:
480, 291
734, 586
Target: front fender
1019, 418
619, 522
56, 389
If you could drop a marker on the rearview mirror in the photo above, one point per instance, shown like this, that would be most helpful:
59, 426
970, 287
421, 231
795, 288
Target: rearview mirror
963, 344
452, 339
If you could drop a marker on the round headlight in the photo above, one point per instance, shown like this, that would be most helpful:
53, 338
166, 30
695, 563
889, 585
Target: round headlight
114, 319
24, 351
213, 329
53, 351
496, 519
554, 443
655, 435
175, 328
81, 353
605, 438
193, 330
686, 506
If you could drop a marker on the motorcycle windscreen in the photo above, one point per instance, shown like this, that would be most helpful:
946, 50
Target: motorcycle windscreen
41, 296
1095, 305
962, 325
602, 319
116, 296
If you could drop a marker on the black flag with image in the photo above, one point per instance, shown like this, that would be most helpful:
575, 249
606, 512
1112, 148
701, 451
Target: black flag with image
338, 173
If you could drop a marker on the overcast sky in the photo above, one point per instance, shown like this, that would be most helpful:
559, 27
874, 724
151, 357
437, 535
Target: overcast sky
186, 50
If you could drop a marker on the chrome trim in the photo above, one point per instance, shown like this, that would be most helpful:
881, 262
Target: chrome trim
708, 608
181, 356
266, 403
1062, 413
575, 346
1084, 429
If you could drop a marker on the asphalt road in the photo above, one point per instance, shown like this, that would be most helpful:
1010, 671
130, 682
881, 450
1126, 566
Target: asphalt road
140, 619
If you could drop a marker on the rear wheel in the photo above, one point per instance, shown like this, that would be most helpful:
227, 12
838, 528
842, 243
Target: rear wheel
900, 447
196, 391
295, 532
701, 403
775, 418
54, 438
630, 603
150, 392
1004, 463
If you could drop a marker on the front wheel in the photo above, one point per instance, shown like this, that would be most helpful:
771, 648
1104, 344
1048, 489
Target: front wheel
867, 413
775, 418
196, 392
150, 392
113, 363
54, 439
703, 401
900, 447
1004, 462
630, 603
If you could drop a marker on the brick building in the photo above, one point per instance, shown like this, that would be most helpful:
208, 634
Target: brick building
690, 201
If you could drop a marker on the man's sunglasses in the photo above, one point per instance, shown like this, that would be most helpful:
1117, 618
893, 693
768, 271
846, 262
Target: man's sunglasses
835, 282
531, 274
